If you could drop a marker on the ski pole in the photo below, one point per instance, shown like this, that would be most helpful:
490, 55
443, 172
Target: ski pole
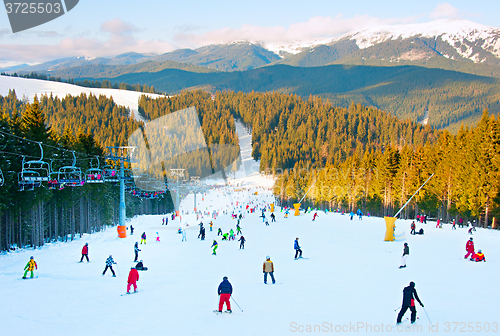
118, 270
237, 304
397, 308
427, 316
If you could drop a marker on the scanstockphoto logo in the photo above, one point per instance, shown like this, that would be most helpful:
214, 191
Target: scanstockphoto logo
26, 15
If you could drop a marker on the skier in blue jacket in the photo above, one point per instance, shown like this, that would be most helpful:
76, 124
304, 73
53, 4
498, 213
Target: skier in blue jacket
296, 246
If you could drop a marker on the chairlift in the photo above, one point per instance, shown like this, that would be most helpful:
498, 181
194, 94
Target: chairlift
70, 176
93, 174
35, 170
110, 174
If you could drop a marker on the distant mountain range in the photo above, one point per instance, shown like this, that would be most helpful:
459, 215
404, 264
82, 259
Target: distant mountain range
400, 69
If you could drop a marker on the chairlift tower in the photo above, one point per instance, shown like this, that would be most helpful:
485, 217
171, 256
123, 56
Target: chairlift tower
121, 154
178, 175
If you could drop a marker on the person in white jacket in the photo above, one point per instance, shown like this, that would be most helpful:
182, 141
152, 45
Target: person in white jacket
184, 235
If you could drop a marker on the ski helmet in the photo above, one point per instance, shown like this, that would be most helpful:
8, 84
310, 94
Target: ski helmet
32, 257
412, 284
480, 251
406, 244
268, 257
224, 278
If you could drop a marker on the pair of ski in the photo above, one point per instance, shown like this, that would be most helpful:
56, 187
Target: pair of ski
224, 312
300, 258
129, 293
404, 321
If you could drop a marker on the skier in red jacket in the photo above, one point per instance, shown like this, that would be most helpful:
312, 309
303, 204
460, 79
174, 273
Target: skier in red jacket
133, 277
469, 247
85, 252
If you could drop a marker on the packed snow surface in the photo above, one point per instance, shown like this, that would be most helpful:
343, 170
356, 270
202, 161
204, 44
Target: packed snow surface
348, 281
28, 88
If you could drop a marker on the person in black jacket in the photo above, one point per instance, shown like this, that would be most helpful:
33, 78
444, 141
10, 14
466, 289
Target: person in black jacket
409, 297
225, 290
140, 266
136, 251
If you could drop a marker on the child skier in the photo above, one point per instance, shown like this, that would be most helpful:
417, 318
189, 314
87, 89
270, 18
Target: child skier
214, 245
183, 235
109, 264
30, 266
225, 290
143, 237
469, 247
479, 256
211, 224
242, 242
409, 297
133, 277
268, 267
157, 237
85, 252
136, 251
406, 253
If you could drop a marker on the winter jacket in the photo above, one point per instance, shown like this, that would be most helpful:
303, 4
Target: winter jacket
31, 265
214, 244
139, 266
242, 239
110, 261
143, 236
412, 226
136, 248
469, 247
479, 257
133, 276
225, 288
268, 266
409, 296
406, 250
85, 249
296, 244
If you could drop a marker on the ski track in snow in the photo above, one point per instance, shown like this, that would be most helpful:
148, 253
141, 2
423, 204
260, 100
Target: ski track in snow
351, 276
28, 88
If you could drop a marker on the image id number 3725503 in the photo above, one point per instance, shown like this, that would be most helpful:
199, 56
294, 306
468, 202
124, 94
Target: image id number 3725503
33, 7
470, 327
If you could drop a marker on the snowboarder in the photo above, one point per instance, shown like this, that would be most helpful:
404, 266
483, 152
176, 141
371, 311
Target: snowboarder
157, 237
273, 217
469, 247
297, 248
143, 237
268, 267
219, 232
30, 266
242, 242
133, 277
406, 253
287, 212
131, 229
225, 290
479, 256
109, 264
140, 266
85, 252
214, 245
183, 235
409, 297
413, 227
314, 216
136, 251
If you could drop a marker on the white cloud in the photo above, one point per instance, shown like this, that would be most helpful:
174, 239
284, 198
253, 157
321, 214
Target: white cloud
317, 27
445, 11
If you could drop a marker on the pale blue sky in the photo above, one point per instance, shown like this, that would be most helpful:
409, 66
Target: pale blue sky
106, 28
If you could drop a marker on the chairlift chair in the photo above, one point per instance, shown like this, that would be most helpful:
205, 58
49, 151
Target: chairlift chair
35, 170
110, 174
94, 174
70, 176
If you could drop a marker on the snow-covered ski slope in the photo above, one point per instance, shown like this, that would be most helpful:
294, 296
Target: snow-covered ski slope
28, 88
350, 283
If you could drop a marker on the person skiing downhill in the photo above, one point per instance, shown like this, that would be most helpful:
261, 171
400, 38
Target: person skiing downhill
409, 297
225, 290
242, 242
238, 229
157, 237
268, 267
143, 237
406, 253
201, 229
85, 252
109, 264
131, 229
183, 235
314, 216
469, 247
30, 266
297, 248
136, 251
214, 245
133, 277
